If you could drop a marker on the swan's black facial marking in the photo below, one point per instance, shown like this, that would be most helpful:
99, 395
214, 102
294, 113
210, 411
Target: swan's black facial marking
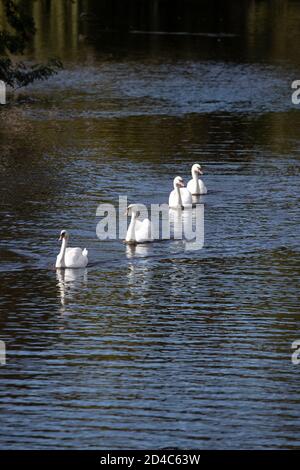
63, 235
132, 210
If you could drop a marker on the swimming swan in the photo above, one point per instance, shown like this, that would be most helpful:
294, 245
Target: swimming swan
138, 231
180, 197
70, 257
196, 185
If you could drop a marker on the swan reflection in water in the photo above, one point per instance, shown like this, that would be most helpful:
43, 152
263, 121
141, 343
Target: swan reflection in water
138, 250
185, 227
188, 225
69, 282
140, 271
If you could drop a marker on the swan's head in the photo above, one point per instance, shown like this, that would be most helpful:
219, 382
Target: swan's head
197, 169
178, 182
132, 209
63, 234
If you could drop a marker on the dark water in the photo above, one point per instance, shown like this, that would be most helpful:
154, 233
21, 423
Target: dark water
157, 346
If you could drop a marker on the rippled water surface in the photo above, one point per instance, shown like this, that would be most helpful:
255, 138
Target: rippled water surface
154, 346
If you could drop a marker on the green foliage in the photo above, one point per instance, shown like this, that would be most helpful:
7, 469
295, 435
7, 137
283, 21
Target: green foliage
20, 75
22, 29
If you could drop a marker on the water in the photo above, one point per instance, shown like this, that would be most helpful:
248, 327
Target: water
155, 346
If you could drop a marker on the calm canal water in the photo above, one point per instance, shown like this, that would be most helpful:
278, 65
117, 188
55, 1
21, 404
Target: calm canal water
154, 347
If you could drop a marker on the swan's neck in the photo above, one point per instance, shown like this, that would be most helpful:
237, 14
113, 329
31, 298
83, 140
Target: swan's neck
61, 256
179, 196
130, 237
196, 180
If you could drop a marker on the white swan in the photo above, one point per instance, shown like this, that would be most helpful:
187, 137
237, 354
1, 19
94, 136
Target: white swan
70, 257
196, 185
180, 197
138, 231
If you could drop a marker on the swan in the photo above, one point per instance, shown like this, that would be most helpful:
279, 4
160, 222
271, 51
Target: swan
180, 197
196, 185
138, 231
70, 257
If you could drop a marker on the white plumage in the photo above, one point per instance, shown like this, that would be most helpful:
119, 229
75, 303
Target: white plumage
196, 185
138, 231
180, 197
70, 257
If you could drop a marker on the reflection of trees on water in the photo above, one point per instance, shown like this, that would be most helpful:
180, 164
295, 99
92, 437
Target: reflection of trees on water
262, 27
28, 173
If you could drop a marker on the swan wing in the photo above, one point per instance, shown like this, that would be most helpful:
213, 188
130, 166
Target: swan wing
143, 231
191, 187
186, 197
138, 224
203, 189
76, 258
